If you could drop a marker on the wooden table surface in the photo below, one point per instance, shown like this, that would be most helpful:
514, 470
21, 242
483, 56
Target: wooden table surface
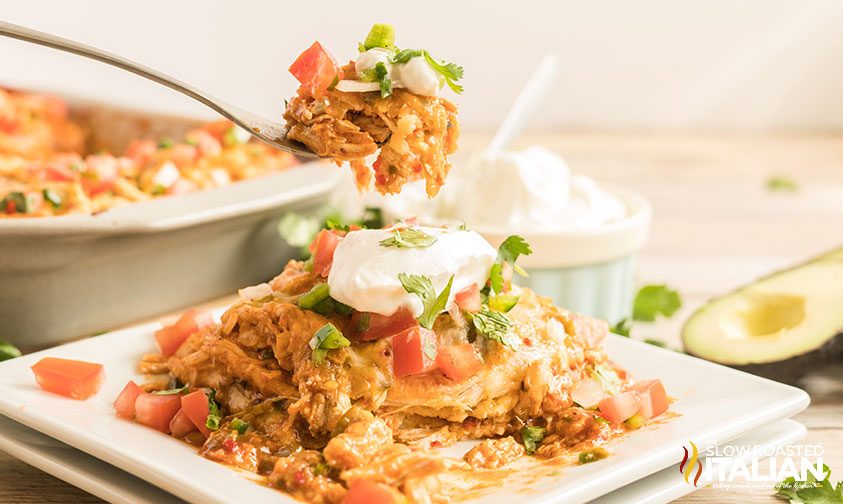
716, 226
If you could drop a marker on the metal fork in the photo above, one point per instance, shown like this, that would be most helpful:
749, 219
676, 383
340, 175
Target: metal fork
275, 134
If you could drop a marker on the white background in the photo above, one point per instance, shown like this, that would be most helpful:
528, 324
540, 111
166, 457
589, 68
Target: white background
704, 64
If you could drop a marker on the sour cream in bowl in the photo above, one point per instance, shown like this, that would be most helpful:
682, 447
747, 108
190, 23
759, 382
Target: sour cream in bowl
584, 234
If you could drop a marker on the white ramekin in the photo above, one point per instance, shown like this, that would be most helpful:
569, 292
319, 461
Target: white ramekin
592, 271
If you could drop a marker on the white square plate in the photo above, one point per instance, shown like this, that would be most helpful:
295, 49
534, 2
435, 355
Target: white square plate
119, 487
714, 403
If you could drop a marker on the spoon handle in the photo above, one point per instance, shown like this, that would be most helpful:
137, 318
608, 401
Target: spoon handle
531, 96
63, 44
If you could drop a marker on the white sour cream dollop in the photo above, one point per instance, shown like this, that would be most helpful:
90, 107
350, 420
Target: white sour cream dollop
416, 75
364, 274
532, 190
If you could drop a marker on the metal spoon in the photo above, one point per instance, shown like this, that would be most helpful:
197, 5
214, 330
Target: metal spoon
275, 134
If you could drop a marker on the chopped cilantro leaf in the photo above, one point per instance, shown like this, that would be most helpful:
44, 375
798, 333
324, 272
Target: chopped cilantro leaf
653, 300
622, 327
214, 415
408, 238
405, 55
422, 287
509, 251
328, 337
336, 225
513, 247
166, 143
532, 437
8, 351
449, 71
811, 490
493, 325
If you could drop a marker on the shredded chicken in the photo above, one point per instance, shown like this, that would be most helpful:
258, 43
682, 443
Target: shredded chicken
315, 429
415, 134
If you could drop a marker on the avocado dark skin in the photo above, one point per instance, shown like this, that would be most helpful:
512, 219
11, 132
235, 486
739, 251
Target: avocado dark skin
791, 370
701, 331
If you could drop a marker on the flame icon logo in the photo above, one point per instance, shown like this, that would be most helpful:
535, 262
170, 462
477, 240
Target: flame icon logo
686, 467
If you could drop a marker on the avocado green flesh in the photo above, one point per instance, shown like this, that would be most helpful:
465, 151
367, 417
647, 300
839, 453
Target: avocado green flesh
765, 327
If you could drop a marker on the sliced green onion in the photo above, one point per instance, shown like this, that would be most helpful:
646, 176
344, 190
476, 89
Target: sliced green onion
241, 426
532, 437
381, 35
634, 422
328, 337
503, 302
317, 294
8, 351
173, 391
593, 455
214, 415
52, 197
166, 143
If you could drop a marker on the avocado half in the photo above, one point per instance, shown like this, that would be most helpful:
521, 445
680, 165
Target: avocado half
780, 327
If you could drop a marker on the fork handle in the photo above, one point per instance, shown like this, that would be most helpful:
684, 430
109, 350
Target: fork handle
45, 39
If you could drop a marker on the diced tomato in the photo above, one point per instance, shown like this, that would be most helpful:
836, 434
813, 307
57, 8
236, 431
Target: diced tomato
468, 299
217, 129
170, 338
59, 168
141, 151
316, 69
619, 407
413, 351
206, 143
372, 326
654, 400
182, 186
70, 378
195, 406
322, 248
157, 411
9, 124
100, 174
458, 362
183, 154
181, 425
364, 491
125, 402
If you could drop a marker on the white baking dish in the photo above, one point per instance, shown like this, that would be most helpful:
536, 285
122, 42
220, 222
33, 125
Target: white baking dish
71, 276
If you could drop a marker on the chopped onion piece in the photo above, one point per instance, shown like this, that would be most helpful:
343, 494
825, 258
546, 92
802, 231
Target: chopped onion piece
588, 393
255, 292
166, 175
354, 86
